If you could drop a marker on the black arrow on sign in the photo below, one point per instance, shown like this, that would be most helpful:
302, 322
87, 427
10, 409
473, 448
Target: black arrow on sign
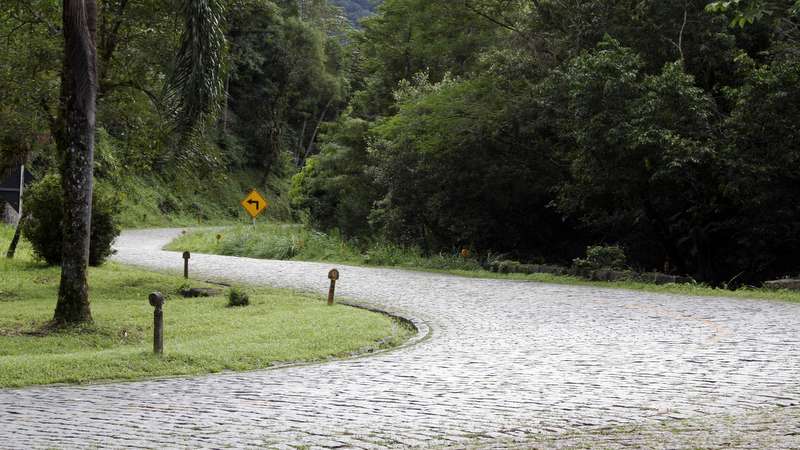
251, 202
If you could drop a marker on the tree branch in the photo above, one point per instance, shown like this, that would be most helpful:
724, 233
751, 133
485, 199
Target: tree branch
486, 16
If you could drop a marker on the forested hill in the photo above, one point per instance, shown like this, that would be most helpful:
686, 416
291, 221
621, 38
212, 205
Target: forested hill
356, 9
524, 129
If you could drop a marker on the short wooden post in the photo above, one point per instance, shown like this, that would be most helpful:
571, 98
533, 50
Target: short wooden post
186, 256
333, 275
157, 302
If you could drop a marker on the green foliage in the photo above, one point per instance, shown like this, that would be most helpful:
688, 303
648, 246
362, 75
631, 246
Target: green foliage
237, 297
761, 154
508, 266
292, 242
195, 85
602, 257
564, 124
285, 79
142, 85
383, 254
356, 9
30, 62
407, 37
268, 241
641, 151
43, 223
460, 165
744, 12
334, 187
530, 129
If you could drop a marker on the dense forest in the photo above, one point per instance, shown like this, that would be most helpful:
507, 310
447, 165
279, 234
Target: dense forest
526, 128
356, 9
536, 128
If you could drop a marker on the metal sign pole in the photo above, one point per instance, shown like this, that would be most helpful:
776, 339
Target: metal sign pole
21, 188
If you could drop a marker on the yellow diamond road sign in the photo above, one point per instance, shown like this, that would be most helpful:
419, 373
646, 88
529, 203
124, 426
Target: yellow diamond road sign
254, 204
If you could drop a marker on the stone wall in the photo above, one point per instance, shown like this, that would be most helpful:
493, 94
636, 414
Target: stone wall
594, 275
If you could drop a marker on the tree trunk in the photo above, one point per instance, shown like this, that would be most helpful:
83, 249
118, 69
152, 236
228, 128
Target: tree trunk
316, 130
78, 97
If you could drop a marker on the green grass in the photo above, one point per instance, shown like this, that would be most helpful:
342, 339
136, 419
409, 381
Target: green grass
295, 242
201, 335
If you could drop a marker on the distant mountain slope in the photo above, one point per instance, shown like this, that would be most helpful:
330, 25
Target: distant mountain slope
356, 9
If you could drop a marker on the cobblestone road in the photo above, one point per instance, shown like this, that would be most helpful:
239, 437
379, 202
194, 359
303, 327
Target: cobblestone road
504, 361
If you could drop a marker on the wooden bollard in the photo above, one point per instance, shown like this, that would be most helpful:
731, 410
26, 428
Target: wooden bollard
157, 302
333, 275
186, 256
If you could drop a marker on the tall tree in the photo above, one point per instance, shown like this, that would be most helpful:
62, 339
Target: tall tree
76, 145
193, 92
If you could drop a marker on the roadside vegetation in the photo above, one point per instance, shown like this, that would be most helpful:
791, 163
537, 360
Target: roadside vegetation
531, 130
202, 335
150, 201
298, 243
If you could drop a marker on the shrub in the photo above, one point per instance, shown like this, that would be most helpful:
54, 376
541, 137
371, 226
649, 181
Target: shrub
387, 254
44, 222
602, 257
237, 297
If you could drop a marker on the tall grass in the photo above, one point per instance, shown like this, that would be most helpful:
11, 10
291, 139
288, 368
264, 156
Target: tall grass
296, 242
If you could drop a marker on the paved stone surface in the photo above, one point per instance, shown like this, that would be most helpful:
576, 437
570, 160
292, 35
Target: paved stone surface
506, 362
763, 428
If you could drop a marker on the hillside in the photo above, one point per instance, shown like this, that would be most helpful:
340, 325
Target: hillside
534, 131
356, 9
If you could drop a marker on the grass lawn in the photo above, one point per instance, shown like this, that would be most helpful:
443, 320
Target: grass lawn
201, 335
281, 241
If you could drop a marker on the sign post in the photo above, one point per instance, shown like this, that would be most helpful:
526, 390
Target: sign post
254, 204
12, 188
21, 188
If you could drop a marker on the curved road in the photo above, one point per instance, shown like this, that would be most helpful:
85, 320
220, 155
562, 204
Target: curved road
504, 361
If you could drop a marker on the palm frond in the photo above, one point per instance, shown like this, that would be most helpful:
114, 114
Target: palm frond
195, 87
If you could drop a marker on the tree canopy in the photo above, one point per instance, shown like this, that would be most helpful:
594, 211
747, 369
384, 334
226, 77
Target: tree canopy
534, 128
525, 128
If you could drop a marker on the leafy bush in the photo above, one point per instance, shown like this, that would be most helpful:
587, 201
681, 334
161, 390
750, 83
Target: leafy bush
238, 297
508, 266
387, 254
334, 189
602, 257
43, 226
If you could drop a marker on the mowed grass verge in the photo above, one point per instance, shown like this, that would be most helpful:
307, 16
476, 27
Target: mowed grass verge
202, 335
295, 242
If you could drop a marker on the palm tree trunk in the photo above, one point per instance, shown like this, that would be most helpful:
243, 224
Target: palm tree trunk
79, 94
